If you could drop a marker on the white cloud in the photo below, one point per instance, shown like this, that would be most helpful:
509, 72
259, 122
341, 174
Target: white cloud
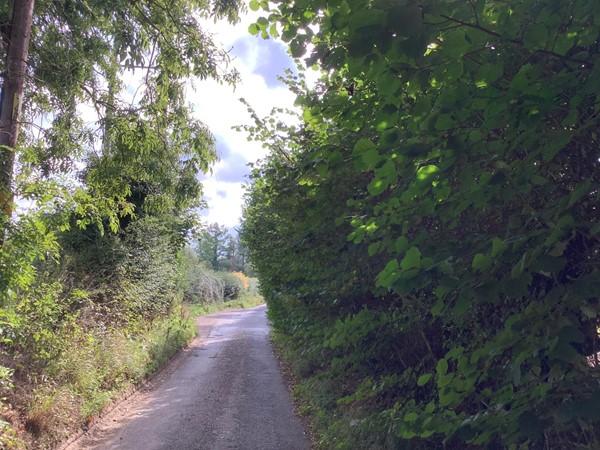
219, 107
224, 207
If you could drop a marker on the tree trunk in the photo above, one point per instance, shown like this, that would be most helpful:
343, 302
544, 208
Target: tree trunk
12, 96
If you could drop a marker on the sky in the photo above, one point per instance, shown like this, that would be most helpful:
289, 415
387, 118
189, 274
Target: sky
259, 62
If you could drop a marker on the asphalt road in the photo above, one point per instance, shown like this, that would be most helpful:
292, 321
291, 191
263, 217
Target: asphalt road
224, 392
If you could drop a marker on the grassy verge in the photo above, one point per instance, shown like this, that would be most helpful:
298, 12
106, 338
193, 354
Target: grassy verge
332, 423
96, 367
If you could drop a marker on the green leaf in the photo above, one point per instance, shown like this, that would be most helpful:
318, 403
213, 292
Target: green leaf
489, 73
555, 144
426, 173
481, 262
444, 122
273, 31
564, 43
455, 44
423, 379
401, 244
374, 248
411, 417
254, 5
377, 186
518, 268
297, 48
365, 146
253, 29
412, 259
580, 190
389, 274
437, 308
498, 246
462, 305
442, 367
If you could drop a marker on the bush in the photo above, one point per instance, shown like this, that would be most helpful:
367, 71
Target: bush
244, 279
99, 315
200, 285
203, 286
233, 285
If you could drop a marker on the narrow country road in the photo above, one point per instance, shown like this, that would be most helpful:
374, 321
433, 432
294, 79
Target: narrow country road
225, 391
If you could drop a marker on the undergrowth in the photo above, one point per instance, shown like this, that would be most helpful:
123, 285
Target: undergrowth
314, 392
97, 368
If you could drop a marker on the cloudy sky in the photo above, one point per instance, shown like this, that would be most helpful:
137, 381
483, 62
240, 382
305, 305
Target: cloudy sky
259, 62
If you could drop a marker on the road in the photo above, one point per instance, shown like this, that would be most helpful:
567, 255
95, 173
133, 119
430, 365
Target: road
225, 391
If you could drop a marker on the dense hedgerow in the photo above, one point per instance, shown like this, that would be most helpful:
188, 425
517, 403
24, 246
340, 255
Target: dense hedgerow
428, 236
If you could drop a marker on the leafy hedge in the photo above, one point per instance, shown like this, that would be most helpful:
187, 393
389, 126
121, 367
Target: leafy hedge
455, 145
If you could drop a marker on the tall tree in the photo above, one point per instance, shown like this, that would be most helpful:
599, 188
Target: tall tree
78, 55
215, 246
139, 151
15, 37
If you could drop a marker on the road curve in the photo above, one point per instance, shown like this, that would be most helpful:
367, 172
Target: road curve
224, 392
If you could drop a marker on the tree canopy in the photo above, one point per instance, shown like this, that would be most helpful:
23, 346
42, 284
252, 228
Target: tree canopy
90, 146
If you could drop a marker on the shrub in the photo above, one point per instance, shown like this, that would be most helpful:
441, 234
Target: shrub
233, 285
204, 287
244, 279
200, 285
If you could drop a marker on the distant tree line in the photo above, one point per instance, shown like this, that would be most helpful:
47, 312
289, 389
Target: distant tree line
222, 249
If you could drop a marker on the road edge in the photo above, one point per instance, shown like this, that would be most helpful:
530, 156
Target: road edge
135, 393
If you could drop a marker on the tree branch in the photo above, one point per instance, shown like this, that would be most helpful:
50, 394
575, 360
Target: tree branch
585, 63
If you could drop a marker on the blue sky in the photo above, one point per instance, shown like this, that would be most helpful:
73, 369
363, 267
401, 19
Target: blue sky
259, 62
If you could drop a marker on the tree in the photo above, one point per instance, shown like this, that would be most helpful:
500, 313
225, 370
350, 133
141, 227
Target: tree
16, 40
138, 154
89, 157
78, 55
241, 260
215, 246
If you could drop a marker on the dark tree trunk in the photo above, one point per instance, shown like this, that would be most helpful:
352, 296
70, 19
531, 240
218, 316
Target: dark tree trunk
12, 96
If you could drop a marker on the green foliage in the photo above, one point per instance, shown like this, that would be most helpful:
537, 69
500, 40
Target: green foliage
215, 245
205, 287
232, 285
222, 250
90, 276
96, 368
199, 283
75, 350
455, 145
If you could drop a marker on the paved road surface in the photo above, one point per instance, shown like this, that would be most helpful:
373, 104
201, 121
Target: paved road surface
224, 392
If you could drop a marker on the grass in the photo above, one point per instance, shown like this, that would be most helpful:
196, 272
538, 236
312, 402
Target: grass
315, 391
95, 368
